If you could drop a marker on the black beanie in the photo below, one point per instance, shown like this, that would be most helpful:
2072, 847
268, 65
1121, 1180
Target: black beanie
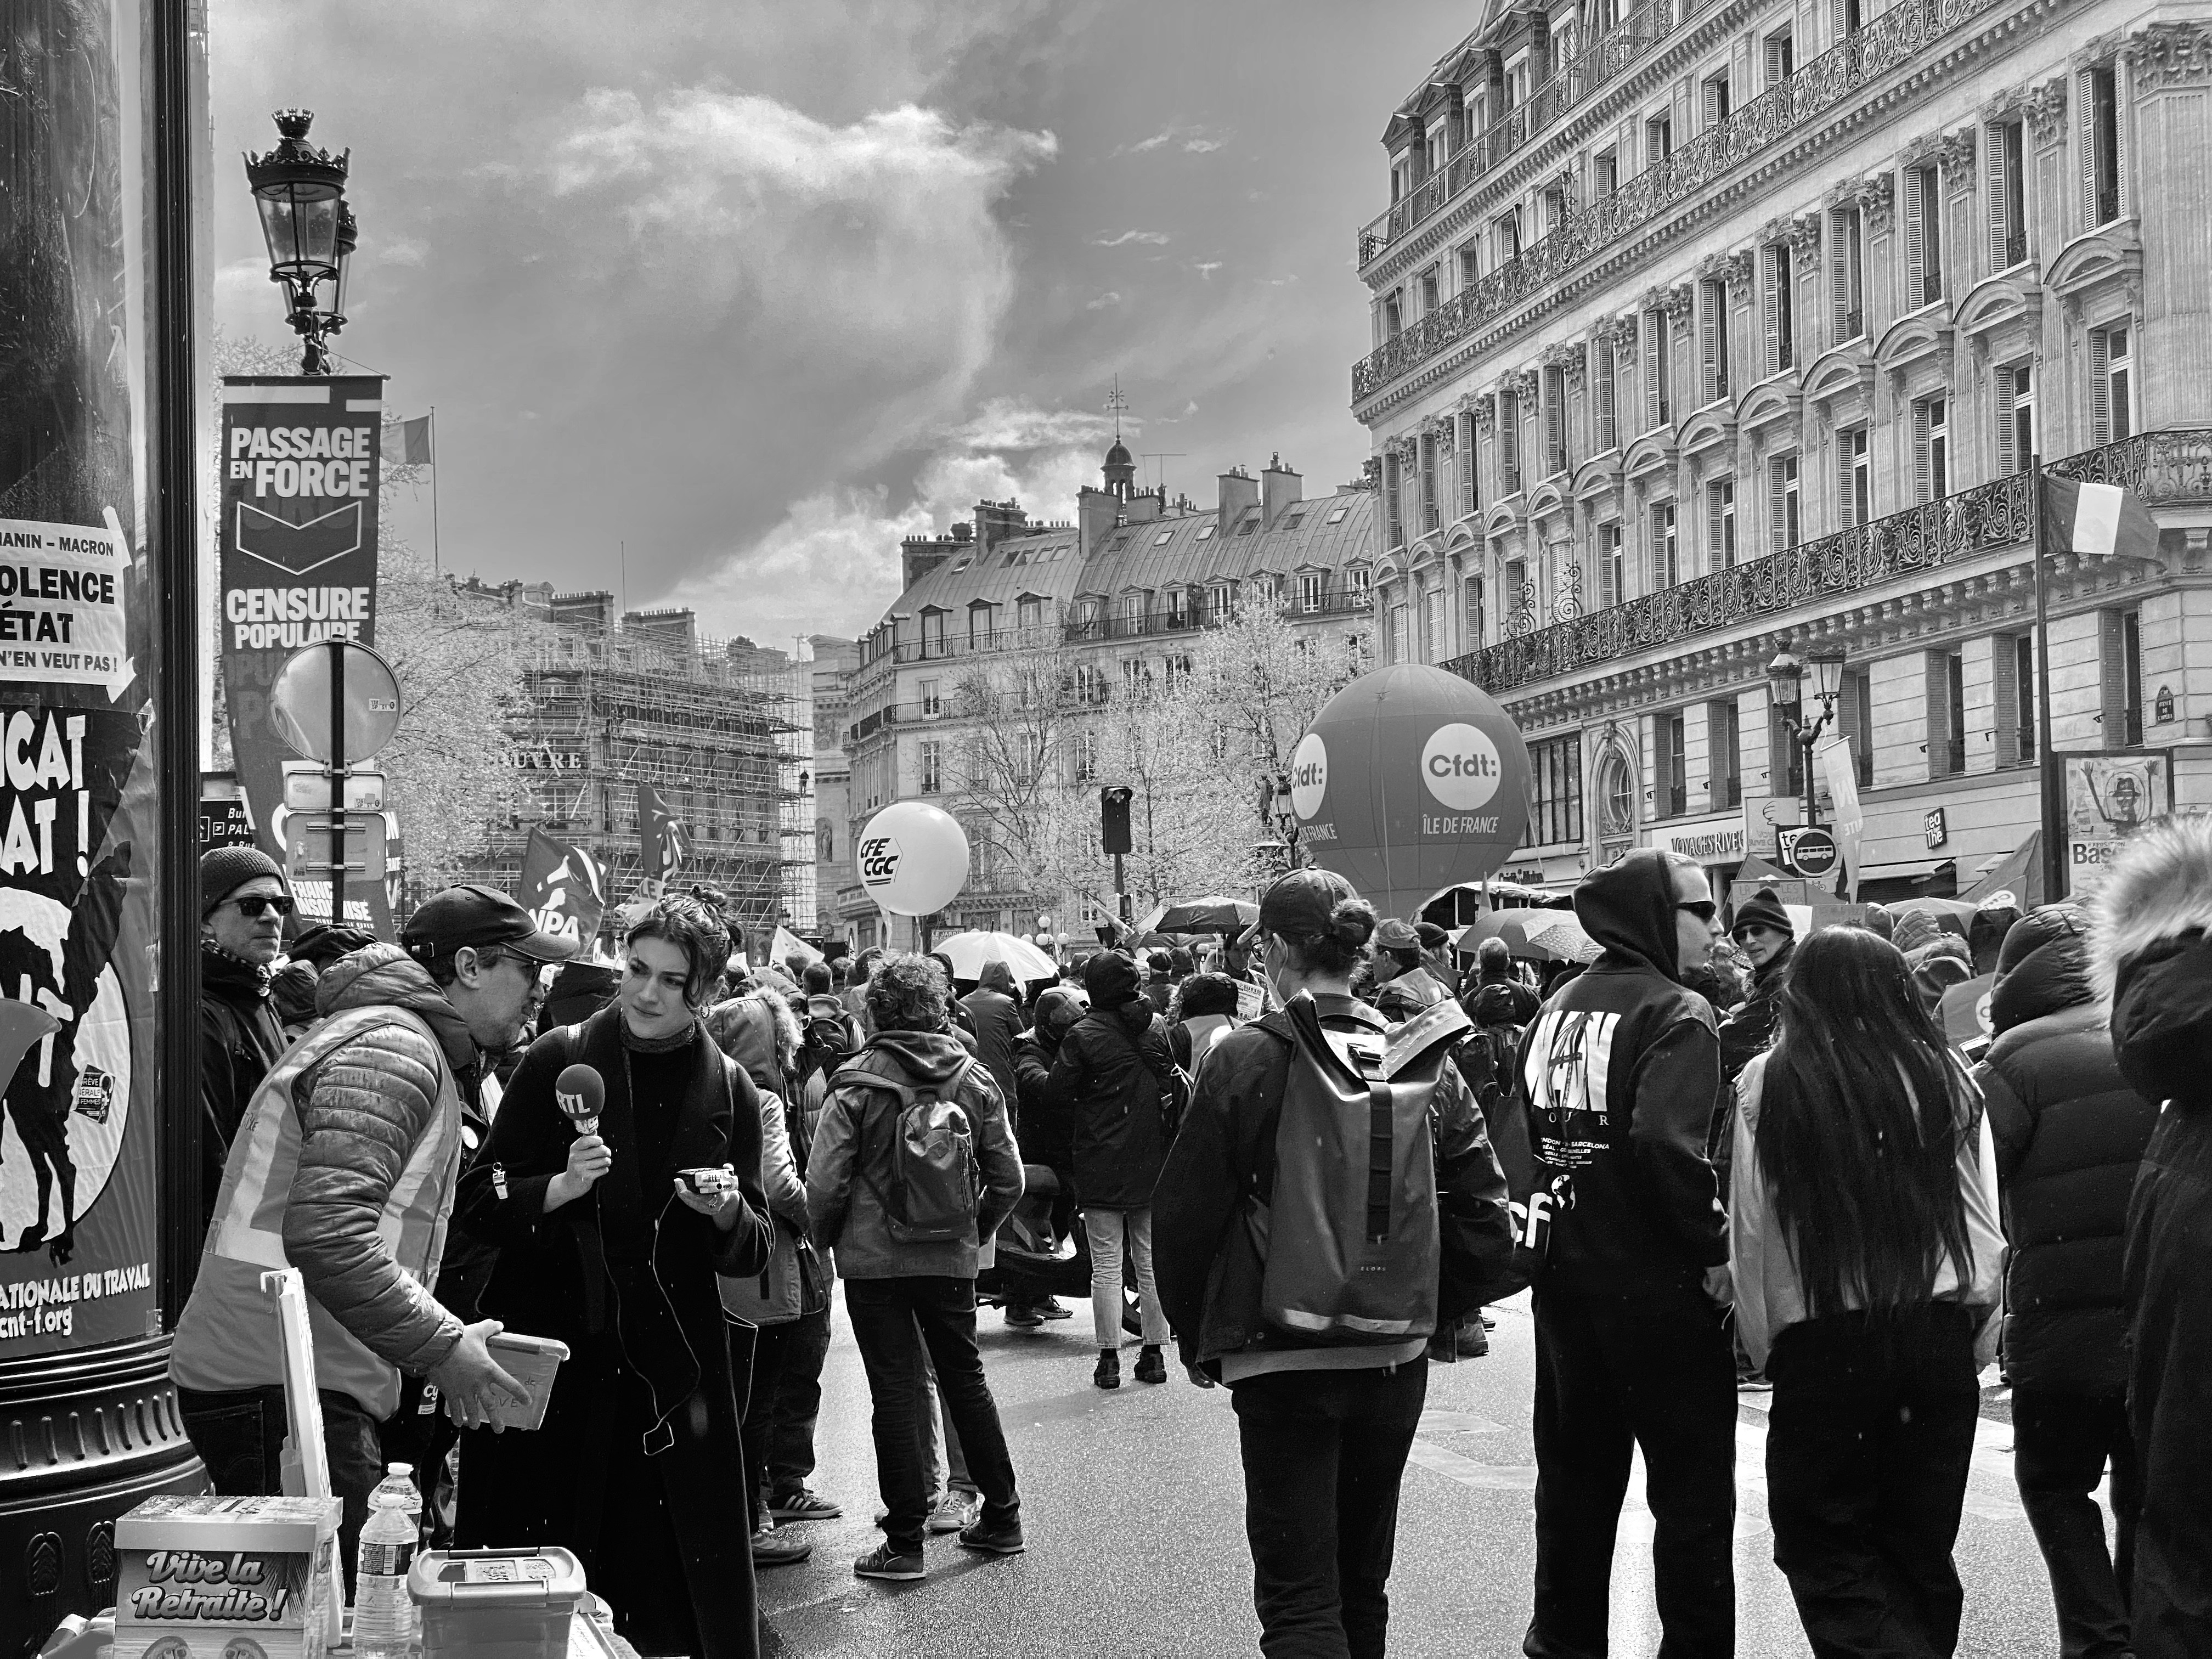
1763, 909
224, 870
1111, 979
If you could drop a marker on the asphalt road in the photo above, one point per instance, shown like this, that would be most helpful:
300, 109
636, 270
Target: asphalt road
1132, 1503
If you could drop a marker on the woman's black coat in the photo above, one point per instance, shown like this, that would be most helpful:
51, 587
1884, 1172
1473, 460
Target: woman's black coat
1109, 1069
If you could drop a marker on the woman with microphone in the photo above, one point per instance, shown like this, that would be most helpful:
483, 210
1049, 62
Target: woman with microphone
600, 1186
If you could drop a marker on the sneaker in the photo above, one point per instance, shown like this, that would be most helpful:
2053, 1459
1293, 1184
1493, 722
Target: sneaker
1473, 1340
954, 1510
1108, 1374
886, 1561
771, 1548
1050, 1308
800, 1504
1026, 1319
1488, 1323
1150, 1368
993, 1541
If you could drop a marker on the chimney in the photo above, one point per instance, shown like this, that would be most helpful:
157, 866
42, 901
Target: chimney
1096, 512
1142, 508
999, 521
1239, 490
920, 554
1279, 488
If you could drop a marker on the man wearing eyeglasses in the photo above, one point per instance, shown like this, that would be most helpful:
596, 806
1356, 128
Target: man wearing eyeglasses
344, 1166
243, 904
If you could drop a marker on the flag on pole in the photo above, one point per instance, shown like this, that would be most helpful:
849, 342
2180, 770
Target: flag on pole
2098, 520
787, 945
1841, 774
564, 887
407, 443
663, 843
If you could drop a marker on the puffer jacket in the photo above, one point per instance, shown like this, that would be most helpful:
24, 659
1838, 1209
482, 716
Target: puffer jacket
2070, 1135
240, 1036
1109, 1069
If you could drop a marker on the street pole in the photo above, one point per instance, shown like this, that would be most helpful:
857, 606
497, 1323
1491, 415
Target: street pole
1808, 734
338, 784
2046, 763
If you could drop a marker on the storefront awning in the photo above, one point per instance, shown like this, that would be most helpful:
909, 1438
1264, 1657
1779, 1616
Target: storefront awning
1910, 870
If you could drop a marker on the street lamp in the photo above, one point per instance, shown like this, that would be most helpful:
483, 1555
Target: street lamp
299, 191
1786, 680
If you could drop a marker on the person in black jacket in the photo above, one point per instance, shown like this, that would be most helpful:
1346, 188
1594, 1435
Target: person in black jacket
1110, 1069
1763, 934
243, 904
2069, 1133
994, 1008
1621, 1072
1048, 1129
2151, 948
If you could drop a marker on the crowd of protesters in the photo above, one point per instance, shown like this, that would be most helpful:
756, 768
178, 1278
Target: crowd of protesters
1748, 1158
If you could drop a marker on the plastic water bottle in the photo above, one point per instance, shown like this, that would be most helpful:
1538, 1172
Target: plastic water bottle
385, 1622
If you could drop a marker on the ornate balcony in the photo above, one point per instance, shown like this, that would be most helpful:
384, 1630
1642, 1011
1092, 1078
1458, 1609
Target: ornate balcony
2165, 469
1893, 38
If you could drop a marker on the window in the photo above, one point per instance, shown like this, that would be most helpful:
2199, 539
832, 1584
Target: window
1178, 607
1856, 484
1781, 57
1713, 340
2103, 136
1675, 755
2013, 664
1428, 291
1400, 640
1923, 237
932, 634
1310, 591
1470, 265
1717, 103
2015, 418
1030, 614
1394, 316
1658, 387
1507, 233
1519, 595
1931, 449
1394, 527
982, 627
1220, 600
932, 766
1336, 516
1847, 16
2111, 374
1783, 519
1555, 806
1291, 523
1428, 458
1086, 757
1781, 309
1471, 616
1666, 567
1720, 525
1846, 275
1722, 734
1508, 442
1785, 756
1164, 538
1434, 647
1091, 687
1855, 721
1463, 469
1604, 411
1947, 714
1177, 671
933, 703
1658, 139
1359, 578
1605, 173
2005, 182
1555, 421
2120, 633
1612, 565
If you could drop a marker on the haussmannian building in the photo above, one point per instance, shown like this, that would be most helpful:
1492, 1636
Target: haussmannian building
1701, 326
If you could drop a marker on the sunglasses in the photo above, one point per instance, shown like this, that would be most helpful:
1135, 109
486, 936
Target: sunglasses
1703, 910
255, 905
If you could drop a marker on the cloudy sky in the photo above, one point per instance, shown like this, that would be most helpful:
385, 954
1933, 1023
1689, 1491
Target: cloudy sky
756, 287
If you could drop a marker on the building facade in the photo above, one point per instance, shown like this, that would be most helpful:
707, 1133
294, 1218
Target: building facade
1105, 604
1701, 327
830, 674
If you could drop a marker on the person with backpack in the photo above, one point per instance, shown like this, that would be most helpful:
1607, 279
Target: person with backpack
1208, 1014
1250, 1208
912, 1168
1115, 1071
1404, 984
1620, 1071
1865, 1251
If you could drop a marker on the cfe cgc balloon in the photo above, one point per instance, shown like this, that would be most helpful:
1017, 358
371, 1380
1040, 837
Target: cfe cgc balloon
913, 858
1411, 780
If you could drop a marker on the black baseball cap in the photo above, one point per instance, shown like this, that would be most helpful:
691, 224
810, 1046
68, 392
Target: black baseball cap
473, 913
1298, 905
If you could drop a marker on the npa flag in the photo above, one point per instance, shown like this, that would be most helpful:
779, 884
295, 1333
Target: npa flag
2097, 521
663, 843
407, 443
563, 888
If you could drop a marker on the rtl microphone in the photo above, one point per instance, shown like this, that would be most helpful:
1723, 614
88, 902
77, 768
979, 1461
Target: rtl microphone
582, 1094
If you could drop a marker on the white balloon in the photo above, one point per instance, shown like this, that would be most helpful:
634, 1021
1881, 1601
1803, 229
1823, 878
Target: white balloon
912, 857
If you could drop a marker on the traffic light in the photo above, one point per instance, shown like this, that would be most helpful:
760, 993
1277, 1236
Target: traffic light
1114, 819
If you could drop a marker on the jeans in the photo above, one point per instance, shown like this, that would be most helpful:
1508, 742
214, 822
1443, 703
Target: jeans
885, 1315
1323, 1454
240, 1435
1872, 1433
1614, 1373
1106, 1229
798, 1402
2061, 1444
765, 1351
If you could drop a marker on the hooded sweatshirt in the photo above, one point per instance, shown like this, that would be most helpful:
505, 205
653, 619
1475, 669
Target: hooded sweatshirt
850, 1169
1621, 1071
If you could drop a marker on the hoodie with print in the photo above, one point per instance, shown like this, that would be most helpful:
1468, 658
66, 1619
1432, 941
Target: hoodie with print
1621, 1072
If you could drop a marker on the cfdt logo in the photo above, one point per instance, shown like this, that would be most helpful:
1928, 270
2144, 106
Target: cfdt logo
1459, 765
879, 860
1309, 774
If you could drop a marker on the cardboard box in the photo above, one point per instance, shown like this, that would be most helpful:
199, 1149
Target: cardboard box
533, 1361
209, 1578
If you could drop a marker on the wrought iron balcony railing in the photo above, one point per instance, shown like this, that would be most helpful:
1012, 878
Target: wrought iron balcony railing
1892, 39
2171, 468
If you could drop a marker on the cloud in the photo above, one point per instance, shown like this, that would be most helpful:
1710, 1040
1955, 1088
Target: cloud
1156, 141
1193, 141
1108, 298
1200, 146
1151, 237
1206, 268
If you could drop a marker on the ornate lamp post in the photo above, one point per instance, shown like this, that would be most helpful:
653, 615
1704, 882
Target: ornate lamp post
299, 190
1785, 679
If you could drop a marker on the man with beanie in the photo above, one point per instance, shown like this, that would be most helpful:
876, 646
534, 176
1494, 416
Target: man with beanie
243, 904
1763, 932
1622, 1070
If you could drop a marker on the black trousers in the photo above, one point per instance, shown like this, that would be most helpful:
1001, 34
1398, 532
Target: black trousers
766, 1351
1324, 1453
2061, 1443
1872, 1433
1614, 1373
240, 1435
902, 1326
797, 1404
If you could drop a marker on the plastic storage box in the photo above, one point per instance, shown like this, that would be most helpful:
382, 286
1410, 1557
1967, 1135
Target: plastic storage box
497, 1604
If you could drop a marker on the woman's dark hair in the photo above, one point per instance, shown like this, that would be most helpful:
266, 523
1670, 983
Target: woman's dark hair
1859, 1120
1350, 924
696, 930
1209, 994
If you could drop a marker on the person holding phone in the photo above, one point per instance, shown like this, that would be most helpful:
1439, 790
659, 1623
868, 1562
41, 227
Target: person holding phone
610, 1234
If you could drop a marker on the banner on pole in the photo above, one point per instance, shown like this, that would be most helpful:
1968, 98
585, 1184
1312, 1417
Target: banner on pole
1840, 773
563, 888
662, 842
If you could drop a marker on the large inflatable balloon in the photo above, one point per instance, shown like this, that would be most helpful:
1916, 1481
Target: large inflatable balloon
1410, 780
913, 858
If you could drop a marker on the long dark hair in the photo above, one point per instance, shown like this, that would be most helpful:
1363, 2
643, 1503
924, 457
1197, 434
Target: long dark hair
1859, 1121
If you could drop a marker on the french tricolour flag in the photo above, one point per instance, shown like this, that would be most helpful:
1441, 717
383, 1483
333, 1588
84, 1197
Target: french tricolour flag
2096, 520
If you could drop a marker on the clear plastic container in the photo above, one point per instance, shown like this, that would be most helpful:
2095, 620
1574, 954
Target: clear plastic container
385, 1623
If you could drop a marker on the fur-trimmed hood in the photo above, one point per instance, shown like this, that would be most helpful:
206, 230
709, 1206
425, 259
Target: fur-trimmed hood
2161, 887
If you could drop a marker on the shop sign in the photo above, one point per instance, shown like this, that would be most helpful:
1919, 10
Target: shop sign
1723, 839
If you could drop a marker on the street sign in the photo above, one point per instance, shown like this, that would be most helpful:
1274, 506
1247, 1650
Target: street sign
299, 702
307, 837
1811, 853
224, 823
308, 788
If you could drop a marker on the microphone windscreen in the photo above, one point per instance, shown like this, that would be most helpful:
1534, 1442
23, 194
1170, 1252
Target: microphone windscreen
581, 1091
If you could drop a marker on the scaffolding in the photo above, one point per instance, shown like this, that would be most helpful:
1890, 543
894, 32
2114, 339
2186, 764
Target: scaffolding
709, 724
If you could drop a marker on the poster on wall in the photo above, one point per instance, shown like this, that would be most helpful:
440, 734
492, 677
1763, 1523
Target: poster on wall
297, 542
2109, 797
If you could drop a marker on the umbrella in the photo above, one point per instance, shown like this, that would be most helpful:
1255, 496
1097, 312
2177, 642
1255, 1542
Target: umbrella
1951, 915
1542, 935
1214, 914
968, 951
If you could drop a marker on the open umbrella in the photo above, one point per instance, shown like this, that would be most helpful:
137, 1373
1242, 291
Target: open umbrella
1951, 915
1537, 935
968, 951
1214, 914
